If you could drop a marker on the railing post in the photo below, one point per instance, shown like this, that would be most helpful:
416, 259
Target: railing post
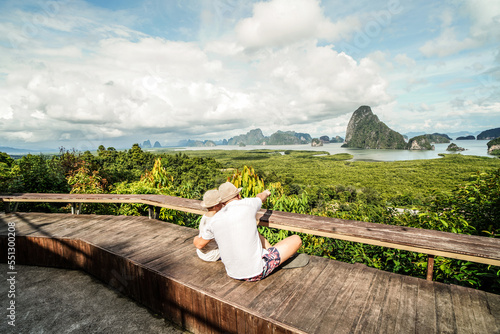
430, 267
76, 209
152, 213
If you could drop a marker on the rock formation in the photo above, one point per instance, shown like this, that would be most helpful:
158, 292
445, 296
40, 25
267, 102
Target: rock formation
289, 138
454, 148
366, 131
252, 137
494, 146
337, 139
316, 142
420, 143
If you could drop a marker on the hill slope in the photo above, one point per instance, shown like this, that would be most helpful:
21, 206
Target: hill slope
366, 131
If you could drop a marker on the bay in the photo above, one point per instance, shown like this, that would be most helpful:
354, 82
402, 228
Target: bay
473, 147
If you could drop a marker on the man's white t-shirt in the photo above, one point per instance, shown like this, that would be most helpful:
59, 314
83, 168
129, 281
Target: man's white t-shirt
211, 251
235, 230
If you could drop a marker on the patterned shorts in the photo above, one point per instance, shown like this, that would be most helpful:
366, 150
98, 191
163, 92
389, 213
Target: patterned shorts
272, 260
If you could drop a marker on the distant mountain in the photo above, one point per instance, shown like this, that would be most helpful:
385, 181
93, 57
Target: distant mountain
336, 139
470, 137
438, 138
146, 144
489, 134
366, 131
463, 133
196, 143
157, 144
252, 137
12, 150
450, 135
289, 138
256, 137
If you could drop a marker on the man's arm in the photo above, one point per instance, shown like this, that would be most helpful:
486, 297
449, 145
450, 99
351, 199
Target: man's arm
200, 242
264, 195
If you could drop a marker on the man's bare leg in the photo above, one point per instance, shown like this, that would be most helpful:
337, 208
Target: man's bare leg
288, 247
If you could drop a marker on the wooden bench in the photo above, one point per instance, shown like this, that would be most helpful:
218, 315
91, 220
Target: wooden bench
433, 243
155, 263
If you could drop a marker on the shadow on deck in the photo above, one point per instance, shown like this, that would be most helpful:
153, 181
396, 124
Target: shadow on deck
155, 263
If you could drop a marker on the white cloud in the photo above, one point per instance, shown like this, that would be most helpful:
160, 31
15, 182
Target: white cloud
86, 76
486, 18
404, 60
116, 86
447, 44
283, 22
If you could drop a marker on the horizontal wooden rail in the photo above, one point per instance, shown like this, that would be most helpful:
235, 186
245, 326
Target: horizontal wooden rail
433, 243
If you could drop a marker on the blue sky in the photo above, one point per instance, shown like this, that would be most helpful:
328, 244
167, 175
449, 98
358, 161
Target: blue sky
83, 73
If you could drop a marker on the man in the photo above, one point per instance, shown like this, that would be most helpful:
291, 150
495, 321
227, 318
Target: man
245, 253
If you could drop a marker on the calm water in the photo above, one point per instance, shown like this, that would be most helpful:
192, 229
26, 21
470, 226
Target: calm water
473, 147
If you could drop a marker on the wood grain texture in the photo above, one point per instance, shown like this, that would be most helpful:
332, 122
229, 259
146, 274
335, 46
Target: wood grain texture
155, 263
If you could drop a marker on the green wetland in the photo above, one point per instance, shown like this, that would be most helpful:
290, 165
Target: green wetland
453, 192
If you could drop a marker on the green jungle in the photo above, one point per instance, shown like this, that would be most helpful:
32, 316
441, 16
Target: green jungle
454, 193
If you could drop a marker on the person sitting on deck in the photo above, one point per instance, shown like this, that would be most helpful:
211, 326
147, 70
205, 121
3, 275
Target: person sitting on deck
245, 253
211, 202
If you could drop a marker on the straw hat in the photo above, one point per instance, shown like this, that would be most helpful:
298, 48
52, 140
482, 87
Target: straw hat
211, 198
227, 191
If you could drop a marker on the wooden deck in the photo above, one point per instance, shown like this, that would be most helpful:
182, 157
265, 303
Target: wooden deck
155, 263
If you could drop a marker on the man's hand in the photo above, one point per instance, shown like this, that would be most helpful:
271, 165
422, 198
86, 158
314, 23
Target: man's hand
264, 195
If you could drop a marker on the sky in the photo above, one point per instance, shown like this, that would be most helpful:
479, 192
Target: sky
78, 74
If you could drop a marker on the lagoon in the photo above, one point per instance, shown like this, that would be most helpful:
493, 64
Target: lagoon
473, 147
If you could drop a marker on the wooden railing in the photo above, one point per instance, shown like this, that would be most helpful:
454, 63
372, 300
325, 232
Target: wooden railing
433, 243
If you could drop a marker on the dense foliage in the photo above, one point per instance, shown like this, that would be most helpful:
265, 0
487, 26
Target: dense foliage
458, 194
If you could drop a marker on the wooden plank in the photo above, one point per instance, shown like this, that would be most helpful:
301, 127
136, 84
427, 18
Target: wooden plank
333, 317
353, 304
199, 313
329, 283
482, 317
426, 321
390, 305
461, 306
465, 247
213, 314
407, 307
171, 202
269, 294
445, 314
493, 302
369, 317
291, 309
228, 318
